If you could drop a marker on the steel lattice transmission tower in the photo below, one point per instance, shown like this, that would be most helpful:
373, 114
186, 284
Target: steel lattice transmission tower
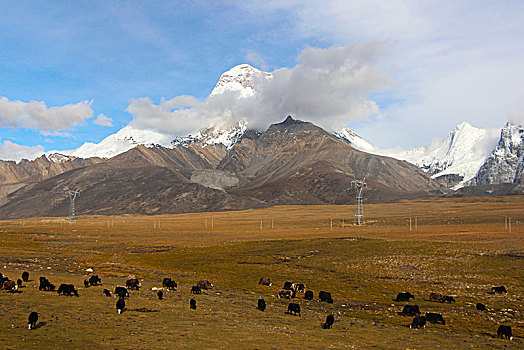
72, 198
359, 185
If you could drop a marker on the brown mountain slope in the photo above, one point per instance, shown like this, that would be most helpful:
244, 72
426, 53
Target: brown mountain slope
16, 175
108, 189
192, 157
298, 162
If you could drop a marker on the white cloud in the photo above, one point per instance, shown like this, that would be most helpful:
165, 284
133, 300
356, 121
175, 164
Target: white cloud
15, 152
451, 61
36, 115
103, 120
57, 133
329, 87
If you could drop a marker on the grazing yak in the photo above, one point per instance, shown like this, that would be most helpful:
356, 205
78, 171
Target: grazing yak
196, 290
289, 285
95, 280
300, 287
169, 283
33, 318
121, 292
160, 294
133, 284
3, 279
448, 299
205, 284
19, 283
404, 296
192, 304
329, 322
86, 284
120, 305
481, 307
107, 292
436, 297
433, 317
67, 289
325, 296
25, 276
261, 304
265, 281
293, 309
418, 322
285, 293
504, 331
410, 310
308, 295
498, 290
45, 285
10, 286
441, 298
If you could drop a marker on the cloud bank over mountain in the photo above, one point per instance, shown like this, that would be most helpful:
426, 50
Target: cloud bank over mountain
329, 87
13, 151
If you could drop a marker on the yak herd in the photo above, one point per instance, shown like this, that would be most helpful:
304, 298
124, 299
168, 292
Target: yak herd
289, 291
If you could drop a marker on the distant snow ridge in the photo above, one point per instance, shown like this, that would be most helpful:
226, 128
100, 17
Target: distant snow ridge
355, 140
122, 141
462, 152
506, 163
212, 136
58, 157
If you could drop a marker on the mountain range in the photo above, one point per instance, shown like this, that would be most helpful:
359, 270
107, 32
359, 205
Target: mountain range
292, 162
235, 167
454, 161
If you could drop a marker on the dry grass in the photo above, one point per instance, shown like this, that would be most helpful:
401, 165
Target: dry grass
460, 247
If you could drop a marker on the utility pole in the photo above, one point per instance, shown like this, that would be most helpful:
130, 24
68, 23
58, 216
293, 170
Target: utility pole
72, 198
359, 185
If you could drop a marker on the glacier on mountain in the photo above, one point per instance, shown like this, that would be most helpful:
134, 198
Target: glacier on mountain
505, 164
461, 153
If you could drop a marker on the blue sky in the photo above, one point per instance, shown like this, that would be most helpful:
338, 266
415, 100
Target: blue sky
445, 62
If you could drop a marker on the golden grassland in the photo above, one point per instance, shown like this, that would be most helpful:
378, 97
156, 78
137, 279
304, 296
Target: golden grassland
459, 246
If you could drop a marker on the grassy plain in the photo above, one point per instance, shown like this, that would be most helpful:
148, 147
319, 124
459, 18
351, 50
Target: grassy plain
458, 246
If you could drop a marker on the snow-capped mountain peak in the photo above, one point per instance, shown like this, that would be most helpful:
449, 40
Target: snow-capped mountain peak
212, 136
123, 140
461, 153
241, 78
355, 140
505, 164
58, 157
